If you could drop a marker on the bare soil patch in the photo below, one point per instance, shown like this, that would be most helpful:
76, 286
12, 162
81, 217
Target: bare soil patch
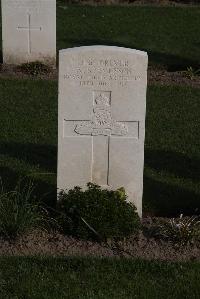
163, 77
155, 76
13, 72
143, 246
134, 2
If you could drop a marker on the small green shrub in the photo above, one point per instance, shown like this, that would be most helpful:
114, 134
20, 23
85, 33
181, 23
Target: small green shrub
19, 213
181, 231
34, 68
97, 212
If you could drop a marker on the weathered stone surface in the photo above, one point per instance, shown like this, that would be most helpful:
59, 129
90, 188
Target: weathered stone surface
29, 31
102, 103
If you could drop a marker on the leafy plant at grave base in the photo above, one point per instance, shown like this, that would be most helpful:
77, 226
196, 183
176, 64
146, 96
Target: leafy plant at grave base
96, 212
34, 68
19, 213
181, 231
191, 72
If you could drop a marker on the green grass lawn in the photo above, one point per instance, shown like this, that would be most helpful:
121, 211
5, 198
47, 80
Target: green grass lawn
171, 36
88, 278
28, 143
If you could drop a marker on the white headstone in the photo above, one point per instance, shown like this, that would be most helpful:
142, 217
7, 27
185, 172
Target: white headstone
101, 118
29, 31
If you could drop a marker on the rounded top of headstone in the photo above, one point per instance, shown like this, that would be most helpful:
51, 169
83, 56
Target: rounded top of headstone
102, 48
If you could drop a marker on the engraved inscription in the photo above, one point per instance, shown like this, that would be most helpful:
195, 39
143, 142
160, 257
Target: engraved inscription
102, 72
102, 122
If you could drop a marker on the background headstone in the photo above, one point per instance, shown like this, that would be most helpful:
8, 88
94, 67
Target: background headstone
29, 31
102, 103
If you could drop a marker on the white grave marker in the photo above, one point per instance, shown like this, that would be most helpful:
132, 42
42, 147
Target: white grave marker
101, 118
29, 31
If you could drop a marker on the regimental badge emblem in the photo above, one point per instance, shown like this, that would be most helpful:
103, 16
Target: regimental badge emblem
102, 122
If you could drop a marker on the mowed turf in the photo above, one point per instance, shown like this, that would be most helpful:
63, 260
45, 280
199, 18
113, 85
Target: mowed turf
28, 143
89, 278
170, 35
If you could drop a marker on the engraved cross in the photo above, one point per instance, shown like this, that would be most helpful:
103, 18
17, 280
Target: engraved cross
101, 128
29, 28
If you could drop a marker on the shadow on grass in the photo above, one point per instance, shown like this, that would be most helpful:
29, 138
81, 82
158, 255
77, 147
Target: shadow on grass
44, 192
171, 62
40, 155
43, 157
159, 198
163, 199
166, 199
177, 164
